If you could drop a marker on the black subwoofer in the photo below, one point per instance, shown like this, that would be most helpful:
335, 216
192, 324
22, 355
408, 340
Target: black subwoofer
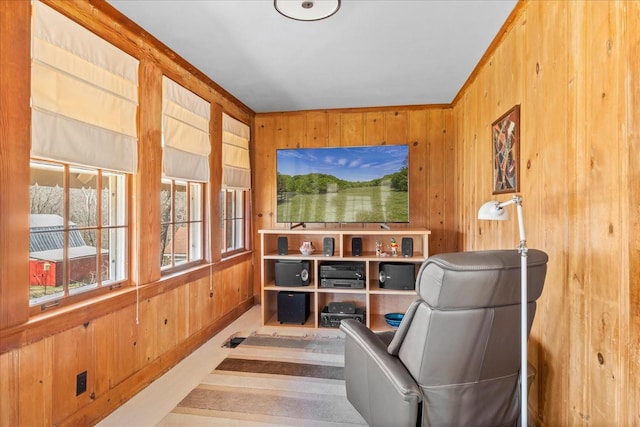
293, 307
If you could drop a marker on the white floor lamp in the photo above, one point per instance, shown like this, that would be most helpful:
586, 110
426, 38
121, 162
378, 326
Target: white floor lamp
495, 211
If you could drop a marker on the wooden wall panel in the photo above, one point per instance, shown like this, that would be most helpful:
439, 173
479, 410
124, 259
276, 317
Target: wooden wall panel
568, 65
631, 410
605, 114
15, 147
9, 389
201, 305
172, 307
352, 130
396, 127
374, 128
435, 189
72, 354
35, 383
127, 354
146, 265
547, 65
419, 155
316, 131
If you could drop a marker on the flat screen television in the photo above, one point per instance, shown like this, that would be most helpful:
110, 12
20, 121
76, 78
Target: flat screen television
363, 184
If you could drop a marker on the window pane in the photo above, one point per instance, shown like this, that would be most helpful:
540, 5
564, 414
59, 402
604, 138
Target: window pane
165, 245
180, 201
238, 240
114, 255
195, 210
165, 223
195, 246
46, 192
165, 202
83, 267
180, 244
46, 237
114, 207
83, 197
46, 266
229, 205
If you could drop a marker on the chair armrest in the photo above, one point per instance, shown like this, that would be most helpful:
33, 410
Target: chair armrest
376, 350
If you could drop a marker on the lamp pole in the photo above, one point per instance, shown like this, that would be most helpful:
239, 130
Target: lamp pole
522, 248
495, 210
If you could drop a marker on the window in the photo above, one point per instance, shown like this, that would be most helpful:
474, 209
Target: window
181, 223
185, 167
78, 230
84, 98
236, 184
233, 220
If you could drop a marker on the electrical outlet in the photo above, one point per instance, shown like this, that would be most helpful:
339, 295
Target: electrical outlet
81, 383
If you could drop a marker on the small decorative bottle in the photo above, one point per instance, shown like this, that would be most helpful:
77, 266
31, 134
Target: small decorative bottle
394, 247
378, 248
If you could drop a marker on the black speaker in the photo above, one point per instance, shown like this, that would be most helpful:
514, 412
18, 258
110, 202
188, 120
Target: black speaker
356, 246
327, 246
396, 275
292, 273
341, 307
283, 245
407, 246
293, 307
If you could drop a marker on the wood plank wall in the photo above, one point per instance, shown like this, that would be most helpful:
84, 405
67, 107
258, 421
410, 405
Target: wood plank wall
427, 131
121, 345
574, 68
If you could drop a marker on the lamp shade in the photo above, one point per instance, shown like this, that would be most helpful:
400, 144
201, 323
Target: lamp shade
493, 211
307, 10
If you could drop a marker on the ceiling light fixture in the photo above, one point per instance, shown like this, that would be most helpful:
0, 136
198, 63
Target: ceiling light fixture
307, 10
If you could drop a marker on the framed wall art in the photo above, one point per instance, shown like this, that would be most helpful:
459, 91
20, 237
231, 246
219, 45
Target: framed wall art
505, 136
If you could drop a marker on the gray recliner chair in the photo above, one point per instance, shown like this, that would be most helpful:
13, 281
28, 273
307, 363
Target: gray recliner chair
455, 358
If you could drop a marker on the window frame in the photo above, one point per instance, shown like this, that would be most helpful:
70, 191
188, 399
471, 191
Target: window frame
102, 285
173, 266
243, 219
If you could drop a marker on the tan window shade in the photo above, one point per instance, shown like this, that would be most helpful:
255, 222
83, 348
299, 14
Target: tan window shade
236, 170
185, 133
84, 95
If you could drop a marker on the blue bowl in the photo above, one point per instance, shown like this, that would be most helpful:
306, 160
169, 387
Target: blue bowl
393, 319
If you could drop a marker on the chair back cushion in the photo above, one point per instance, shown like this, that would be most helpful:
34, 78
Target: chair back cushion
479, 279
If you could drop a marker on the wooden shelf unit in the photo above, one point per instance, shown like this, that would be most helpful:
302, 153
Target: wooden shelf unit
374, 300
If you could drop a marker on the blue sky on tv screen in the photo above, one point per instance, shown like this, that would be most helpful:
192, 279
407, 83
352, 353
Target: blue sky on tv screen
347, 163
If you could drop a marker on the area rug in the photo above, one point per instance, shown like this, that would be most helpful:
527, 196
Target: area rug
271, 380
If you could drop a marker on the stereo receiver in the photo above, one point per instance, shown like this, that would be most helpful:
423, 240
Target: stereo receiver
332, 320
